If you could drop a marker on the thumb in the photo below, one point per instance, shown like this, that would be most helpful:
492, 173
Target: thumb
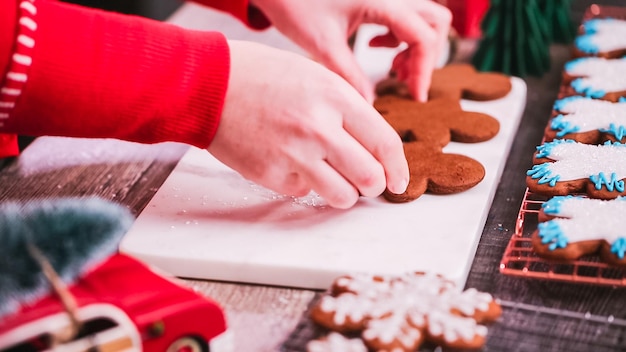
338, 57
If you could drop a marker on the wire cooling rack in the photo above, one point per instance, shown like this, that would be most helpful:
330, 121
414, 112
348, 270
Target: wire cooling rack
520, 259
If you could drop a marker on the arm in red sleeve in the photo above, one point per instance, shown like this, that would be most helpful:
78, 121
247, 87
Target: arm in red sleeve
8, 18
241, 9
90, 73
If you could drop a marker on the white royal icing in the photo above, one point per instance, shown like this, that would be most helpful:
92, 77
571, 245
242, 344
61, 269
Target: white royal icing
592, 114
574, 161
426, 301
607, 34
591, 219
336, 342
599, 74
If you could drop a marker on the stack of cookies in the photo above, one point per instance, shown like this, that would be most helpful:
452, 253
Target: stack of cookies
581, 164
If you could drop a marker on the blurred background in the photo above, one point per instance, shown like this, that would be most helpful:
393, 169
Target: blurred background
156, 9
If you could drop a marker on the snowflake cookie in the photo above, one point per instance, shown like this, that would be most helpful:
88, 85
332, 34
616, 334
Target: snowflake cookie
336, 342
564, 167
603, 37
399, 313
573, 226
587, 120
596, 77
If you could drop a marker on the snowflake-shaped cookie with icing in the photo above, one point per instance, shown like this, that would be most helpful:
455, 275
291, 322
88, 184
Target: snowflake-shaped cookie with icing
597, 77
564, 167
399, 313
604, 37
335, 342
587, 120
571, 227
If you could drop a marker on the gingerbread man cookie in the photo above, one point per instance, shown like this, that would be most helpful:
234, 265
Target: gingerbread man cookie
571, 227
587, 120
399, 313
564, 167
427, 127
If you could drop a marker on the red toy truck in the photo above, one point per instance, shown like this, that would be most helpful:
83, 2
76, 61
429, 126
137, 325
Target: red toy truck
123, 306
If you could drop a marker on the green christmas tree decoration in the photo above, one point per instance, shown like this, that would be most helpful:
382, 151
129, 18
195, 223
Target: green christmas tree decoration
559, 24
73, 234
515, 39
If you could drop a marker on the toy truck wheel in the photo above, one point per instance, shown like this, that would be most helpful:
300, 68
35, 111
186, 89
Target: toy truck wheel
187, 344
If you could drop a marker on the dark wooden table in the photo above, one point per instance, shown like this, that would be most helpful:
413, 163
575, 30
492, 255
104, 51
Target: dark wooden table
539, 315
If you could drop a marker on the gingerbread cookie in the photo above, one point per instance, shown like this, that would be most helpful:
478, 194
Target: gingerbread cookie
595, 77
399, 313
587, 120
564, 167
427, 127
335, 342
462, 81
602, 37
571, 227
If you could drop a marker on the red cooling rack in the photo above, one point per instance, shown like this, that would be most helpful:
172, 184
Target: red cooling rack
520, 259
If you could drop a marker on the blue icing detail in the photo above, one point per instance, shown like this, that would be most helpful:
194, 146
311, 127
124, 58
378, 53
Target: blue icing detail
554, 204
619, 247
545, 149
591, 26
612, 184
581, 88
544, 174
570, 65
562, 103
563, 127
586, 44
616, 130
621, 100
550, 232
614, 144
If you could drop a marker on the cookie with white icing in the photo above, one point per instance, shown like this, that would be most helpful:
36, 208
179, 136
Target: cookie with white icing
571, 227
595, 77
335, 342
602, 37
564, 167
399, 313
586, 120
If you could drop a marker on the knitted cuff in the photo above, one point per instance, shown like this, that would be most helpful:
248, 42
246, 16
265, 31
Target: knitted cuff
99, 74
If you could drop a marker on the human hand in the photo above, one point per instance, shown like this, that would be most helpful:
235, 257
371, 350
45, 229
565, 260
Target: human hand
291, 125
322, 27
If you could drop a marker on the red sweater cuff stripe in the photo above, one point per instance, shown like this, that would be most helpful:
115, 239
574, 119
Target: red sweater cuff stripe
21, 59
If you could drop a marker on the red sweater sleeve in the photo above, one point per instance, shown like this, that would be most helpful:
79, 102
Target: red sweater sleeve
8, 142
241, 9
73, 71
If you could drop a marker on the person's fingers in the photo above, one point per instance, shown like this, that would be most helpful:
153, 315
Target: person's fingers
440, 19
356, 164
330, 185
421, 39
338, 57
371, 130
423, 28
